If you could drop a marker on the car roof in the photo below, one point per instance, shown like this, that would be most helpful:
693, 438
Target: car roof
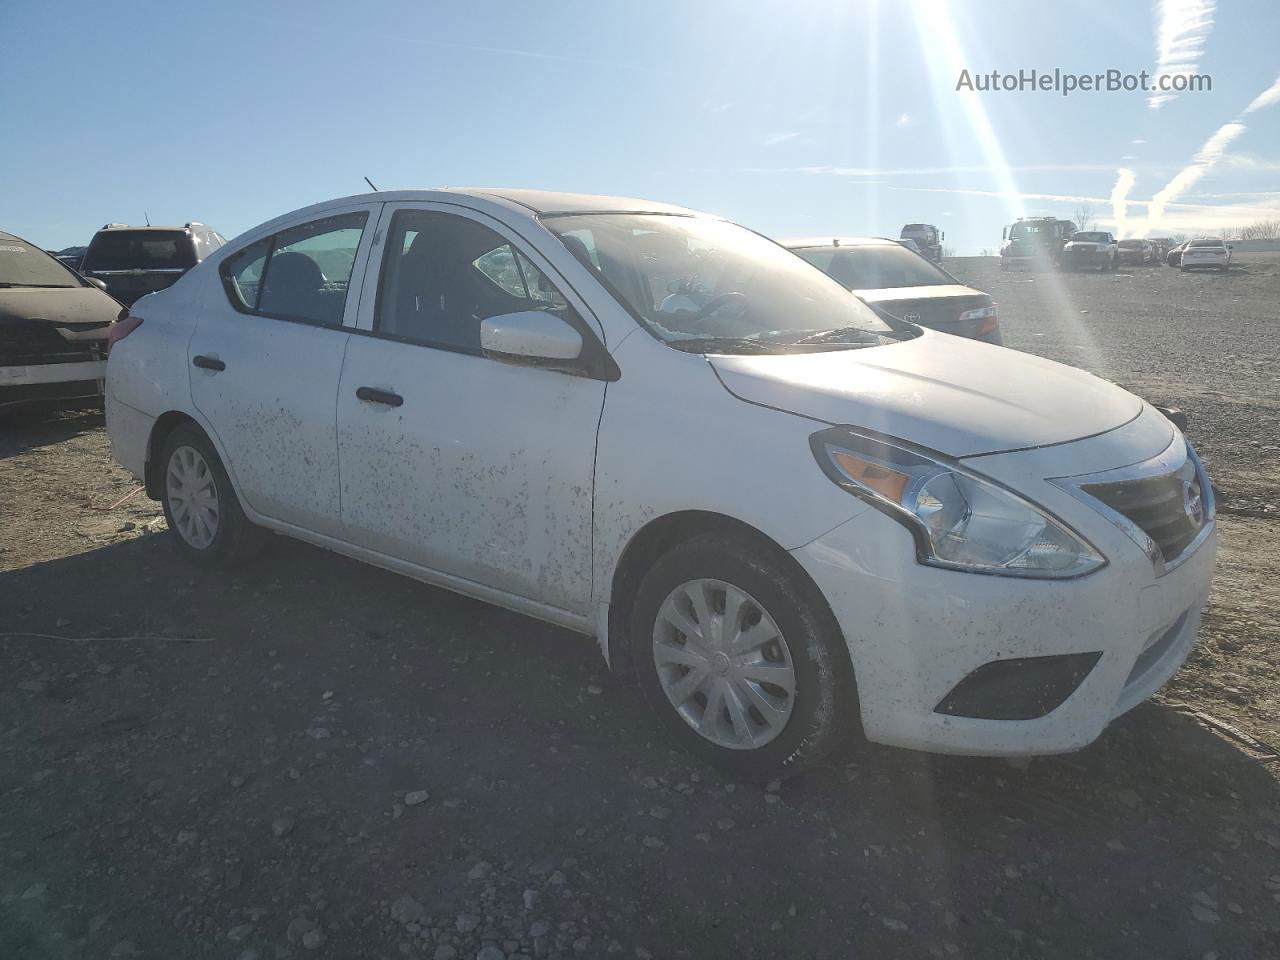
538, 202
797, 243
115, 227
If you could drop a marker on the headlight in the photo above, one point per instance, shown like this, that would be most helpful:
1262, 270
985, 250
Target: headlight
959, 520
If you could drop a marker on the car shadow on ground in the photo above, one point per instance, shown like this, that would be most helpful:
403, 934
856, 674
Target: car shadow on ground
315, 692
25, 428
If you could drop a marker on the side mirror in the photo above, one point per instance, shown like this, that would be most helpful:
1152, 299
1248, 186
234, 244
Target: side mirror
97, 283
529, 336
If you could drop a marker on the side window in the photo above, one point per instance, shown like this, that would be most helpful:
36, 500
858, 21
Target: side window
243, 274
299, 274
516, 274
442, 275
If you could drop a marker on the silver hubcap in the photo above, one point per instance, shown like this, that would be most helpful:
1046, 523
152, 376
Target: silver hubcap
193, 497
724, 664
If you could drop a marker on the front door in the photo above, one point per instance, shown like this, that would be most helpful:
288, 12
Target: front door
451, 460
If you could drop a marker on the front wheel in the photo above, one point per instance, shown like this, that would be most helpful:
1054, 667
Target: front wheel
741, 659
200, 504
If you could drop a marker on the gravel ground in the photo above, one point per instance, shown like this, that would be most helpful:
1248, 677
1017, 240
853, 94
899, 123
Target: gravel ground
310, 757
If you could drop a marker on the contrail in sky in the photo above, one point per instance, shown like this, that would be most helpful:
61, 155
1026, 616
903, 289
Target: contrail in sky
1182, 26
1119, 194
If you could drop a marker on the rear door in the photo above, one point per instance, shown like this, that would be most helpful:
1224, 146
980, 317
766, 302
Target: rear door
265, 360
475, 468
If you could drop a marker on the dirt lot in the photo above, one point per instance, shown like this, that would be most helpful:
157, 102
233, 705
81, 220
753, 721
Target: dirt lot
322, 759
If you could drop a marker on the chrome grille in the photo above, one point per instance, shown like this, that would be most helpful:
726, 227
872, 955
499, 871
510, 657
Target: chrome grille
1165, 504
1161, 507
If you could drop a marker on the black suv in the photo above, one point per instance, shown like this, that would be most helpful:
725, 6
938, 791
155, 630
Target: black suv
135, 261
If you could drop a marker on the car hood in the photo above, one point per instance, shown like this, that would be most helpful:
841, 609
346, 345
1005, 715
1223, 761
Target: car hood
956, 396
934, 291
64, 306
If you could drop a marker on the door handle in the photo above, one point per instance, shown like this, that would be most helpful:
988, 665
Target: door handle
207, 363
374, 395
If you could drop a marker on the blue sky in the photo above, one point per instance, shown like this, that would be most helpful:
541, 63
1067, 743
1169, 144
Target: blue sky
796, 118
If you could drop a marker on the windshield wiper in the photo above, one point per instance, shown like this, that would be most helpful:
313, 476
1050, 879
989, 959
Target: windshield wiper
842, 335
724, 345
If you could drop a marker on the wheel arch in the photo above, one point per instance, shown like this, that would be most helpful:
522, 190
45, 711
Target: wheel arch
166, 423
662, 534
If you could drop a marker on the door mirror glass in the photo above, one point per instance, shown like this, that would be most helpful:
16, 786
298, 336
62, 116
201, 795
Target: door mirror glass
100, 284
529, 336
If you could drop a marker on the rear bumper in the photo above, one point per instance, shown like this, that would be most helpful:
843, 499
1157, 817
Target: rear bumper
130, 434
43, 382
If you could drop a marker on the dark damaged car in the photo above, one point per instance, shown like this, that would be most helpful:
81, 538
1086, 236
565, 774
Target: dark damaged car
903, 284
53, 329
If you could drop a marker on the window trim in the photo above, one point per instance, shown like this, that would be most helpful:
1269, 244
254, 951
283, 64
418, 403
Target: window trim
594, 362
238, 304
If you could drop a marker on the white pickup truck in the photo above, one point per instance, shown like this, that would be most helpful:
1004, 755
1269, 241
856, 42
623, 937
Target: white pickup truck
1091, 249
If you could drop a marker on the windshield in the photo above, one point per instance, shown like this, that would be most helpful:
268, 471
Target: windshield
140, 250
698, 278
1131, 244
875, 267
1025, 231
22, 265
1205, 243
1090, 238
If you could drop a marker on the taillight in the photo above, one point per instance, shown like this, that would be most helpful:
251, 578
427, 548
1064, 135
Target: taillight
990, 317
122, 328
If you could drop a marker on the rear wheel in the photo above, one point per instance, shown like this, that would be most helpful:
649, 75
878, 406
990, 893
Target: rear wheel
200, 504
741, 659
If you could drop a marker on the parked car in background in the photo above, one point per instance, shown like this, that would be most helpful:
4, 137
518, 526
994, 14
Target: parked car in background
1091, 249
1160, 247
53, 328
135, 261
927, 238
1206, 252
783, 511
70, 256
903, 284
1134, 252
1035, 241
1174, 257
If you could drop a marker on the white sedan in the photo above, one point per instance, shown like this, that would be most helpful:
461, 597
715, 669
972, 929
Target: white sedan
1206, 252
788, 516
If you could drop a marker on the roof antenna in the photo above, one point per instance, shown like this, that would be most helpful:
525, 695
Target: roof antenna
370, 183
147, 217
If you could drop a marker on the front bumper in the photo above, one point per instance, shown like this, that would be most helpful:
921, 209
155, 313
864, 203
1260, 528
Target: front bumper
38, 382
1088, 258
915, 632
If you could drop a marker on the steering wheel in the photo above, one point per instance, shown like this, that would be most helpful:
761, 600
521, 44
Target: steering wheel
714, 304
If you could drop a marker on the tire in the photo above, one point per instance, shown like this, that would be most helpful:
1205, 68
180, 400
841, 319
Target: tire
1183, 269
212, 530
806, 652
